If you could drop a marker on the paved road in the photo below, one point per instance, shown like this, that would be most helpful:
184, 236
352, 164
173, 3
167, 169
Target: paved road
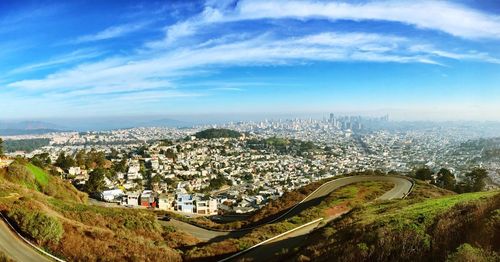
402, 186
267, 252
15, 248
201, 233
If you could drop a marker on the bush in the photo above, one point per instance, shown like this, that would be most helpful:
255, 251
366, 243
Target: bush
36, 225
467, 253
19, 174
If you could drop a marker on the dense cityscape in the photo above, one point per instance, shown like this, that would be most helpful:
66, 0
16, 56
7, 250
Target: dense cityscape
173, 169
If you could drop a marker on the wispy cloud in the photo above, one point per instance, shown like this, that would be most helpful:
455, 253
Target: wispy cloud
75, 56
134, 72
112, 32
451, 18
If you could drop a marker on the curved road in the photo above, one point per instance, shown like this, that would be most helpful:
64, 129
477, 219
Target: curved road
15, 248
402, 187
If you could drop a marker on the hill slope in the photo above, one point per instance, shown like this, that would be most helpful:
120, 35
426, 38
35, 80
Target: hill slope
54, 215
416, 229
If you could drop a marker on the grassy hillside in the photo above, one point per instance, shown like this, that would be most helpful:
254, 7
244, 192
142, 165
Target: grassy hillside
29, 177
336, 203
416, 229
53, 214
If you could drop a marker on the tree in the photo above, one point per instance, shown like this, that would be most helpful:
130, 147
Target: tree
445, 179
170, 154
475, 179
423, 173
96, 183
80, 158
1, 147
41, 160
65, 162
121, 166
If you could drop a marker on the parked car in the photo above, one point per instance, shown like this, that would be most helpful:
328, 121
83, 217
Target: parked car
165, 218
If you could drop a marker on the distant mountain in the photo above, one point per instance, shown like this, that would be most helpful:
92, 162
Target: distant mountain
28, 128
16, 132
29, 125
85, 124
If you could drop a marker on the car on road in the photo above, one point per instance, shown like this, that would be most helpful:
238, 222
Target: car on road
165, 218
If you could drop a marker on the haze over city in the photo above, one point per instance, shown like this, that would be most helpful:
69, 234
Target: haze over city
185, 58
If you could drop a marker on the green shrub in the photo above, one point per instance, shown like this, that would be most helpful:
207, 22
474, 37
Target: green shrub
38, 226
468, 253
19, 174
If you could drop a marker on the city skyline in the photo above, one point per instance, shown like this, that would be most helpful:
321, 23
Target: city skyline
90, 59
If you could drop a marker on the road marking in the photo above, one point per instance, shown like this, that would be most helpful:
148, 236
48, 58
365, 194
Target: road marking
269, 240
319, 219
28, 242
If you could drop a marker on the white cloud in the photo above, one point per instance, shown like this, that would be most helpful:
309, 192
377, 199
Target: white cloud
153, 71
71, 57
471, 55
451, 18
112, 32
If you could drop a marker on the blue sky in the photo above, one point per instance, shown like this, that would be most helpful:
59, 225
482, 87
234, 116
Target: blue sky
431, 60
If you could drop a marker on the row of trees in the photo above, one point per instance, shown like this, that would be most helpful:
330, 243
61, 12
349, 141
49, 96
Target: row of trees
88, 160
473, 181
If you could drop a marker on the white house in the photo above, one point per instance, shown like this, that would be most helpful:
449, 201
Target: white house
166, 202
74, 170
111, 195
205, 206
131, 199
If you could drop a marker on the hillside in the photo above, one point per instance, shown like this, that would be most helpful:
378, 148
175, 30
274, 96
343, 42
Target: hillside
217, 133
336, 203
430, 226
55, 216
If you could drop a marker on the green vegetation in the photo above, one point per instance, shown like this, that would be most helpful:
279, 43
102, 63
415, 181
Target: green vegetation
336, 203
217, 183
32, 177
88, 160
283, 145
38, 226
65, 161
472, 182
467, 253
27, 145
217, 133
415, 229
1, 147
41, 177
54, 215
96, 183
41, 160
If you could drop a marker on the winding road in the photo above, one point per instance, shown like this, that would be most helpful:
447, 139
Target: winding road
12, 245
402, 187
15, 248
